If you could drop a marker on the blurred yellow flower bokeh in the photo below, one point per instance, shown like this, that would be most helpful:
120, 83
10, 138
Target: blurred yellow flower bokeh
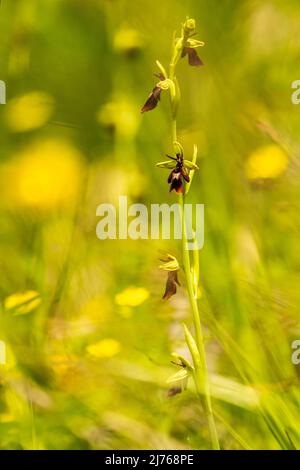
105, 348
120, 115
63, 363
6, 418
29, 111
22, 302
44, 175
132, 296
128, 40
267, 162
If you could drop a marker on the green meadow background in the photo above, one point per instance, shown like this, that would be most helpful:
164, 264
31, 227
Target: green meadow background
88, 337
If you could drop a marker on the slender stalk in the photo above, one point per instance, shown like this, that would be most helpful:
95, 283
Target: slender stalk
201, 372
182, 46
199, 360
174, 130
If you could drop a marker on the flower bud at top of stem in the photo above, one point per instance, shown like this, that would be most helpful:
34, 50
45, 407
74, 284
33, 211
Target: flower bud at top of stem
189, 26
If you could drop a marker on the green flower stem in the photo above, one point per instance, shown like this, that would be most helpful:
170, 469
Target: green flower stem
198, 352
199, 360
174, 130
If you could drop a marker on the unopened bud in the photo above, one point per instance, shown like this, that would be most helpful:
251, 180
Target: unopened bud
190, 25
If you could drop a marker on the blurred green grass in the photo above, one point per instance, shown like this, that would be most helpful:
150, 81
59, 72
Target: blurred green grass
86, 144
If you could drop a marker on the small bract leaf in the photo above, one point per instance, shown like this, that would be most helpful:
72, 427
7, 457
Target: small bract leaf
164, 84
192, 347
170, 264
161, 68
192, 172
190, 165
183, 361
179, 375
193, 43
169, 165
178, 149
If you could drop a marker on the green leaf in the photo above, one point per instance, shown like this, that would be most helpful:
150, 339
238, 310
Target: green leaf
193, 43
168, 164
161, 68
182, 360
179, 375
192, 347
192, 172
190, 165
165, 84
170, 264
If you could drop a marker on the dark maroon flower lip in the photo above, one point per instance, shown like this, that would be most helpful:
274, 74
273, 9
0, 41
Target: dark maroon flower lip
152, 101
177, 175
171, 287
175, 179
193, 57
154, 96
173, 391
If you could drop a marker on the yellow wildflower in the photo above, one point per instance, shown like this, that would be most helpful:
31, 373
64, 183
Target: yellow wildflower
45, 175
132, 296
128, 41
267, 162
28, 111
105, 348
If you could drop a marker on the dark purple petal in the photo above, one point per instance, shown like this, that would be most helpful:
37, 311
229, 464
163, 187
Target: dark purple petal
171, 288
171, 176
156, 92
152, 101
185, 175
172, 392
184, 51
176, 183
194, 59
